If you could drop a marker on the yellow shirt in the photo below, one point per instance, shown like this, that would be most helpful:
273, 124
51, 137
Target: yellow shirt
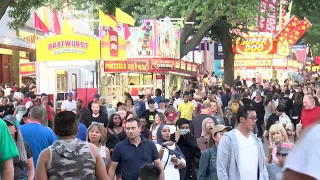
186, 110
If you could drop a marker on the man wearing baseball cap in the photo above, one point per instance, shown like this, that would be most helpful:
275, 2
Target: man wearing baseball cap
69, 104
275, 170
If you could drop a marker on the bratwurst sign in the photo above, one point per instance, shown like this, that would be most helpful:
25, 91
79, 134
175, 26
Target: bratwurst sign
254, 45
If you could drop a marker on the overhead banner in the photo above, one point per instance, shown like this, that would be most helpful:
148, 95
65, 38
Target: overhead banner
112, 50
67, 48
27, 68
267, 17
113, 39
162, 65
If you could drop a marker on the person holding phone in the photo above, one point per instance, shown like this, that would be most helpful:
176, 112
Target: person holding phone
171, 157
188, 145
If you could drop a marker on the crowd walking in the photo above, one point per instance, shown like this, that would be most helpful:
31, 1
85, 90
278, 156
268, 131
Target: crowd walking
205, 131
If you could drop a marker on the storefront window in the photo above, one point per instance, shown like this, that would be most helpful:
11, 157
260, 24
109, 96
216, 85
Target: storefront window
62, 80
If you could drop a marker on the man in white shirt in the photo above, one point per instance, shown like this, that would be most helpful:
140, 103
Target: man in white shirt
240, 154
177, 101
69, 104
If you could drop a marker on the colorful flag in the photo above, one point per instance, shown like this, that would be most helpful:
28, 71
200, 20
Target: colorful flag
40, 25
45, 20
124, 18
301, 28
105, 20
66, 28
288, 28
56, 23
127, 32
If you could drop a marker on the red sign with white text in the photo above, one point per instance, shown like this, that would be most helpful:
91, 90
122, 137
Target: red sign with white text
113, 35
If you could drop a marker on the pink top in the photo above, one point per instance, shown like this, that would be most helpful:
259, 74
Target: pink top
274, 154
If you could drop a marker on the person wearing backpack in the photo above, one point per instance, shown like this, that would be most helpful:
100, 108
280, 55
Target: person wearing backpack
234, 104
207, 167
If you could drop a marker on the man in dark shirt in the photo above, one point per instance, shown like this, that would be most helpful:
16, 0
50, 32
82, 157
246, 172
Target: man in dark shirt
83, 113
196, 123
150, 113
96, 98
140, 105
97, 116
133, 153
287, 102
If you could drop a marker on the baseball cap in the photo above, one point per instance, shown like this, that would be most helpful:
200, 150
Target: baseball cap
284, 148
96, 96
37, 100
70, 94
220, 127
141, 93
43, 94
162, 101
172, 116
11, 120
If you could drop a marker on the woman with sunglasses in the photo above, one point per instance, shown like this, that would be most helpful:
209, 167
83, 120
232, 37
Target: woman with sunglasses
5, 107
96, 135
23, 164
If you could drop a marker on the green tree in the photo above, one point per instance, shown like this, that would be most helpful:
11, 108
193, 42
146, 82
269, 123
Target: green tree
311, 10
212, 18
21, 10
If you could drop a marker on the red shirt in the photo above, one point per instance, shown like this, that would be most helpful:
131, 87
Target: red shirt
308, 117
49, 112
25, 100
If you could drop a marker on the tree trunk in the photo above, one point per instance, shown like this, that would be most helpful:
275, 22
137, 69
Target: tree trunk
3, 7
228, 61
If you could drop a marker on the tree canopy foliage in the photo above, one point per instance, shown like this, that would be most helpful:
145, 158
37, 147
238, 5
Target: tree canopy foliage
311, 10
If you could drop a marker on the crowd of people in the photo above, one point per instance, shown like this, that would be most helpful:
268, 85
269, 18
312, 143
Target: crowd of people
203, 131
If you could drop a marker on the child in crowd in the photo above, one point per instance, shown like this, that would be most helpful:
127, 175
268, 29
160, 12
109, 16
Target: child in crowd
277, 135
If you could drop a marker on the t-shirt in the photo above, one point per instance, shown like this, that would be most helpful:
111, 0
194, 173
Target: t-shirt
157, 99
38, 137
304, 158
186, 110
100, 119
309, 116
140, 107
288, 105
69, 106
132, 158
82, 132
20, 167
8, 147
149, 116
248, 156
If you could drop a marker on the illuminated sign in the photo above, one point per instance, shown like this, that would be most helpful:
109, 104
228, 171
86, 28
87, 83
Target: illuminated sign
254, 45
68, 47
110, 66
183, 65
252, 63
162, 64
194, 67
189, 67
137, 66
27, 68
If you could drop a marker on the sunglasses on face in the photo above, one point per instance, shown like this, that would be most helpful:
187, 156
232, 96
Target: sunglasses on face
97, 123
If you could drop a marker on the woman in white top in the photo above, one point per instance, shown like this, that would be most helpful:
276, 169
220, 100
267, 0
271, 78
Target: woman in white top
96, 135
159, 119
172, 159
